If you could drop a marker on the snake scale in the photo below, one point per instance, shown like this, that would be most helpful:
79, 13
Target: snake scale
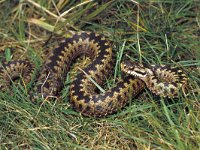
84, 96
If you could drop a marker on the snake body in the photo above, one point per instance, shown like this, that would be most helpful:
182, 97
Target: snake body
84, 96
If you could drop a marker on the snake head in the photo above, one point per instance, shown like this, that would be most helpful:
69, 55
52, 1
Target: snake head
135, 69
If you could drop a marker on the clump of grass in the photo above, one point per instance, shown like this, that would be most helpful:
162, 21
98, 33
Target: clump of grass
164, 32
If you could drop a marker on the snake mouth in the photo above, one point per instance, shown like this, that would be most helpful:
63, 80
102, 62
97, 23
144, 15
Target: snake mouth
133, 68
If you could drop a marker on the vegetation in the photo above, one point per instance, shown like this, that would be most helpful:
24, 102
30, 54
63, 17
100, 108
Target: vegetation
153, 32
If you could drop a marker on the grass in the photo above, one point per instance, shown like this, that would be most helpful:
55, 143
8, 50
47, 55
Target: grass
154, 32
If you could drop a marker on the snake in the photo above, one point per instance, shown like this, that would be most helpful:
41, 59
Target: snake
84, 96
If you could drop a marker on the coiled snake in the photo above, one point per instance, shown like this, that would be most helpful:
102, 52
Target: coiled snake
83, 93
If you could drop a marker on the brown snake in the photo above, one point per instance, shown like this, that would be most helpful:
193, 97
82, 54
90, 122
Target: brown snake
83, 93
